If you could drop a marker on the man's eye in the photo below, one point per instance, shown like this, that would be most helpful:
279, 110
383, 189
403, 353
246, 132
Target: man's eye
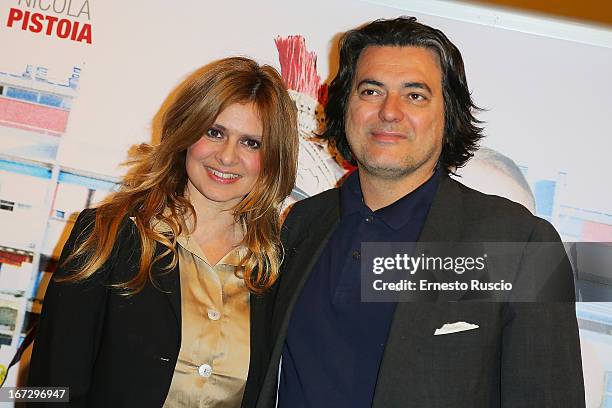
214, 133
252, 143
369, 92
416, 97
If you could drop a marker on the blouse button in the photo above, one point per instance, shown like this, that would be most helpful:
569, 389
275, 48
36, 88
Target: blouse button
213, 314
205, 370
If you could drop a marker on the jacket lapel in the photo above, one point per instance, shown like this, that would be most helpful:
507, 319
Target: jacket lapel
300, 258
443, 224
444, 221
169, 282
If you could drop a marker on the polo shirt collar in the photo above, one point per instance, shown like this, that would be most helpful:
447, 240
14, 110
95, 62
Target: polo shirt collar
397, 214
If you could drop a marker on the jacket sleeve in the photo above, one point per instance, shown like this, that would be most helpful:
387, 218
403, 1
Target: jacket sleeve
262, 339
70, 325
541, 362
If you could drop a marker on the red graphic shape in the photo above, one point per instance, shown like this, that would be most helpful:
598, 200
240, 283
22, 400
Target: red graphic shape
298, 66
596, 232
38, 118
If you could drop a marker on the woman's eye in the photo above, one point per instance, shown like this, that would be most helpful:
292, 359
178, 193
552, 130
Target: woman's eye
252, 144
214, 133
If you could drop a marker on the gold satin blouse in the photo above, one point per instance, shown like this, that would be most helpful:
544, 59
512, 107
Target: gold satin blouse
213, 361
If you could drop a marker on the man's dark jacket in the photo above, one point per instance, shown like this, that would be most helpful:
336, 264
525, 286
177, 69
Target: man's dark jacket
522, 354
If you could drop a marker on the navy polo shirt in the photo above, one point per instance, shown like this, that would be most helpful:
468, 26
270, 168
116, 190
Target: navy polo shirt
335, 342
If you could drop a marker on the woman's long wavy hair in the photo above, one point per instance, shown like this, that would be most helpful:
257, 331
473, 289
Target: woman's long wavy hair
153, 189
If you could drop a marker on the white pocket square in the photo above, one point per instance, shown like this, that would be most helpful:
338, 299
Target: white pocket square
456, 327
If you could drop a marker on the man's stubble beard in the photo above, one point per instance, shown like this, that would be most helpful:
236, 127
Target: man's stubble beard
388, 172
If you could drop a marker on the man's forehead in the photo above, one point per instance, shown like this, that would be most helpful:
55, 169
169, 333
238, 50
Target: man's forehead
399, 62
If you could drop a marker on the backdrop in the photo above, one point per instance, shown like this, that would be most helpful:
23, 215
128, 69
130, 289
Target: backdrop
81, 80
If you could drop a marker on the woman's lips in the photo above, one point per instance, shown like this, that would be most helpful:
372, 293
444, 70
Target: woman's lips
221, 176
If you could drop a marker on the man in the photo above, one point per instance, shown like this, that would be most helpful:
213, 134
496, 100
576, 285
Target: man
400, 109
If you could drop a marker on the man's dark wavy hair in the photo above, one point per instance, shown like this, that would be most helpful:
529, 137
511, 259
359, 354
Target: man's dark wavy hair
461, 130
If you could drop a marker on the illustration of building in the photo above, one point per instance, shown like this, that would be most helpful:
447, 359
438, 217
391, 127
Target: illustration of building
38, 195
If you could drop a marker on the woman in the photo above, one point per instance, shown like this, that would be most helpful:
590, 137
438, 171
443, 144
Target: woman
150, 305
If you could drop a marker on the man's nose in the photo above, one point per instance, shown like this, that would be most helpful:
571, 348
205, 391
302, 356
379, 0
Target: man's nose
391, 109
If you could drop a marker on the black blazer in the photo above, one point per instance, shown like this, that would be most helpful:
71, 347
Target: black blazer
522, 355
111, 351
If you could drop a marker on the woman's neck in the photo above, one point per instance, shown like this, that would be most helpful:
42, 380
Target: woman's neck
215, 229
